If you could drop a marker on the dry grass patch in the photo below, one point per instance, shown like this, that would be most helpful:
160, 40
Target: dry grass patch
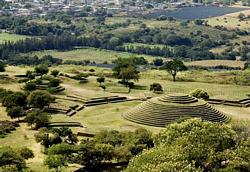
215, 63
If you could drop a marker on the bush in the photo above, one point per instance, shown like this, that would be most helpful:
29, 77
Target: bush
54, 82
200, 94
156, 87
158, 62
54, 73
26, 153
100, 80
30, 86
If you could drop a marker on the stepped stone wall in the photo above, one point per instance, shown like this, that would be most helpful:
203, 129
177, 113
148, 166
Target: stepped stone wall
161, 111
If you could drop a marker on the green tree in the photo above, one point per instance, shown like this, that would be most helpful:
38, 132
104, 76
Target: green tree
30, 86
30, 75
39, 99
194, 145
54, 82
54, 162
173, 67
125, 69
16, 112
15, 99
10, 159
37, 117
41, 69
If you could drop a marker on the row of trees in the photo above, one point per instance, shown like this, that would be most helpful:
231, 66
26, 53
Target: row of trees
19, 104
105, 150
67, 41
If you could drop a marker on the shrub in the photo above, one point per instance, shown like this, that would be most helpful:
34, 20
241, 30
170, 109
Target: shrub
100, 80
30, 86
200, 94
158, 62
54, 73
26, 153
156, 87
54, 82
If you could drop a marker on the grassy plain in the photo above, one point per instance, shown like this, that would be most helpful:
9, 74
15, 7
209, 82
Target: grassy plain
92, 54
10, 37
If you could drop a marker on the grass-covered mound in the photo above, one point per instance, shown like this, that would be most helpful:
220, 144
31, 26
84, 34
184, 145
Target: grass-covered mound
163, 110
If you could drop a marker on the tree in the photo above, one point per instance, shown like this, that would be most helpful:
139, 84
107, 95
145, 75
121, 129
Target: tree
156, 87
29, 74
54, 82
55, 73
39, 99
100, 80
54, 162
2, 66
41, 69
37, 117
194, 145
125, 70
30, 86
15, 99
173, 67
10, 159
16, 112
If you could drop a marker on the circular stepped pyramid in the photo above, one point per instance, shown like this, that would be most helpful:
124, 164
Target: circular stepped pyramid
163, 110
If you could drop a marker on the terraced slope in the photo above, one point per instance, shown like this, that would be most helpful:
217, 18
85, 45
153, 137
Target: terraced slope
163, 110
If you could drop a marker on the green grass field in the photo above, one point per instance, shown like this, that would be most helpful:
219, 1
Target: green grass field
92, 54
10, 37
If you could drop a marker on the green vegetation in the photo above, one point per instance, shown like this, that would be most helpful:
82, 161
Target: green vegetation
51, 77
90, 54
4, 37
216, 148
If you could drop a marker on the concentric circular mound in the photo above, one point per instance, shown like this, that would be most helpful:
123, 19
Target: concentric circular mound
163, 110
